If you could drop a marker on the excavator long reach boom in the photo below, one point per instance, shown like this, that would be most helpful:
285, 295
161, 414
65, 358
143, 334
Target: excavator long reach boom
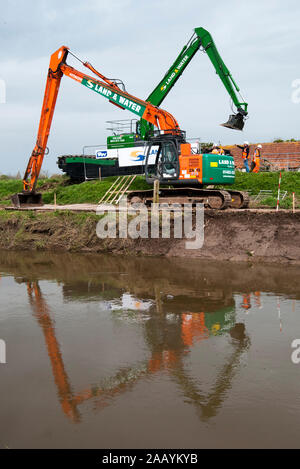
58, 67
203, 41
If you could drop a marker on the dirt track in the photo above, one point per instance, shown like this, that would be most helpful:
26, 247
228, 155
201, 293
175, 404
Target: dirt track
248, 235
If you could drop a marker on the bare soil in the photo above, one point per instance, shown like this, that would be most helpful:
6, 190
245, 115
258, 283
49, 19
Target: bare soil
245, 235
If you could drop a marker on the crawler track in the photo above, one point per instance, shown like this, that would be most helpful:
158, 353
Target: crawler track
239, 199
212, 198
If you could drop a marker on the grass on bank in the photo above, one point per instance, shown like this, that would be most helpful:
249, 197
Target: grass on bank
92, 191
290, 182
89, 192
66, 193
78, 218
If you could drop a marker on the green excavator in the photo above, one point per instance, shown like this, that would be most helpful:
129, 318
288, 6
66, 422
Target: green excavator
201, 40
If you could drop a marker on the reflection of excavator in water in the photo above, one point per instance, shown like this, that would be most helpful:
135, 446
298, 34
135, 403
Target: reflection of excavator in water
168, 352
175, 163
246, 303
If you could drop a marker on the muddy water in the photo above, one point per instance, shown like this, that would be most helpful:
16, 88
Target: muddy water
109, 352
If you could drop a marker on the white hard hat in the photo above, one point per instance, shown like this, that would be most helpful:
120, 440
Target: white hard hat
215, 145
259, 146
246, 143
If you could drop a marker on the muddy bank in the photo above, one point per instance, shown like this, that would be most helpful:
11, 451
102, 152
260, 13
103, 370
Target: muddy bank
230, 235
87, 273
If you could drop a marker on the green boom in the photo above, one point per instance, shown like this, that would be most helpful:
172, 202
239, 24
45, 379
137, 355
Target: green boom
200, 39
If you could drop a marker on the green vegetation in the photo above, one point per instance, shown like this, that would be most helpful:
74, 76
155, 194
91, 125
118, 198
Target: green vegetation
7, 188
279, 140
66, 193
290, 182
86, 192
92, 191
77, 218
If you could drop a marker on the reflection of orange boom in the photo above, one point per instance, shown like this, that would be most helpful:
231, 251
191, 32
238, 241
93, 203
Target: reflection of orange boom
193, 326
69, 400
61, 378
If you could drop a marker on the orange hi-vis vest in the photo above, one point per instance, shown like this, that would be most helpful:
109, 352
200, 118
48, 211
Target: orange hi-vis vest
256, 159
245, 153
256, 153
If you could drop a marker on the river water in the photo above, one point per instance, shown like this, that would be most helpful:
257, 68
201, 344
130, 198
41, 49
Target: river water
116, 352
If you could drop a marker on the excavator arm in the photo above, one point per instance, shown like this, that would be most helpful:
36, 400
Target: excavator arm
200, 40
236, 121
58, 67
36, 159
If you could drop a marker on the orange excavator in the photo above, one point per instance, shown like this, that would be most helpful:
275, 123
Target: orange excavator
107, 88
175, 161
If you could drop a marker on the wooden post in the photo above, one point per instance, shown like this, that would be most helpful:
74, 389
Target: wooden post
278, 195
99, 173
158, 300
293, 202
54, 199
156, 192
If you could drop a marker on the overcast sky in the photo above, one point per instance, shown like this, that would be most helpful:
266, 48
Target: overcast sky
137, 41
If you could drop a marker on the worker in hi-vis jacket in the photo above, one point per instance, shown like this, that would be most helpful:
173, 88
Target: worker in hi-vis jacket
245, 155
255, 165
217, 150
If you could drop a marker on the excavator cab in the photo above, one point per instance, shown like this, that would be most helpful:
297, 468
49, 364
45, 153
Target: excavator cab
162, 159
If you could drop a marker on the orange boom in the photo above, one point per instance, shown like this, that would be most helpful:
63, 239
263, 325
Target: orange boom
109, 89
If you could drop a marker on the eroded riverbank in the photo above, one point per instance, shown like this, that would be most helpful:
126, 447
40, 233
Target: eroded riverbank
255, 235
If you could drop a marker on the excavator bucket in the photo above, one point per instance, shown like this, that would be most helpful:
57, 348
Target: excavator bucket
235, 122
26, 198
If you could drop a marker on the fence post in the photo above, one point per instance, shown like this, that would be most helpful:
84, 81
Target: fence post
278, 195
293, 202
156, 191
